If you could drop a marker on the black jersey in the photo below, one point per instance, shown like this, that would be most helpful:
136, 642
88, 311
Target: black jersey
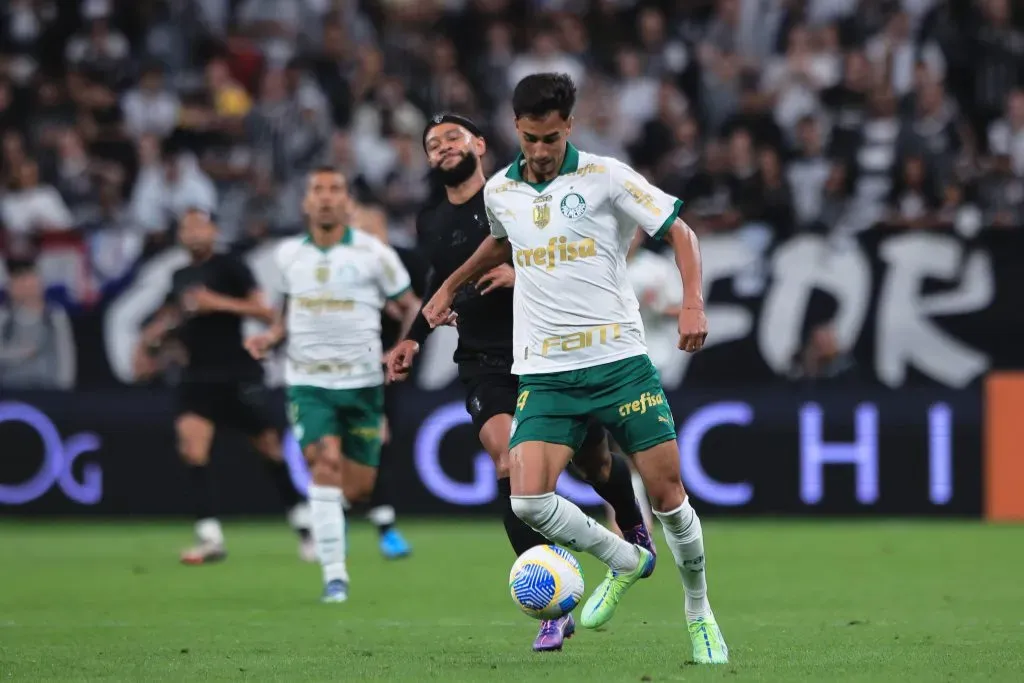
214, 340
448, 235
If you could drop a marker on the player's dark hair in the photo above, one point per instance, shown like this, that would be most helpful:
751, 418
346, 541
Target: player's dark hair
538, 95
325, 168
202, 211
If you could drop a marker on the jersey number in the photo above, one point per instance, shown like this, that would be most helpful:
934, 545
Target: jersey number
521, 401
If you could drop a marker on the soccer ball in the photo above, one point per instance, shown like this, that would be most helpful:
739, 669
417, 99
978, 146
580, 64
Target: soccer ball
546, 582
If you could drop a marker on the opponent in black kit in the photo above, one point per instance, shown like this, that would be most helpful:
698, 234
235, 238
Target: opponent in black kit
448, 235
222, 386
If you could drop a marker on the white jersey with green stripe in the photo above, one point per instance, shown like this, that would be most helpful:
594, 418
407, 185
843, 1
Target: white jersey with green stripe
335, 299
574, 306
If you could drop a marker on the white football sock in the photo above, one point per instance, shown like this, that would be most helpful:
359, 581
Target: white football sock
560, 521
686, 541
382, 515
641, 497
208, 531
300, 516
326, 502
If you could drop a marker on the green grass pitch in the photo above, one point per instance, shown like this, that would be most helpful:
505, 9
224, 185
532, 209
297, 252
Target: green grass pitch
797, 601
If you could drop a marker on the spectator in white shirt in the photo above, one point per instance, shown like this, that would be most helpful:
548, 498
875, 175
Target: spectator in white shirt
165, 190
544, 56
1006, 136
150, 108
33, 207
99, 48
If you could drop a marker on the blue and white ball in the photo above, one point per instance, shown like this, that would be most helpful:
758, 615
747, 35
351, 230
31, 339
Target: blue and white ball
546, 582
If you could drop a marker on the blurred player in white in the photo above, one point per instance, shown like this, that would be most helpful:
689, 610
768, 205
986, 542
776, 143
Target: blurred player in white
336, 281
566, 218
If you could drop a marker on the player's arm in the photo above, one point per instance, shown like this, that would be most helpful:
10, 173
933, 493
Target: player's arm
152, 337
252, 305
278, 330
686, 250
420, 329
409, 310
396, 285
261, 344
638, 202
272, 337
491, 252
166, 318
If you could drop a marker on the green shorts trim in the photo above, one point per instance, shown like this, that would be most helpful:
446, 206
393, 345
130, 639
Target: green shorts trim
625, 396
356, 416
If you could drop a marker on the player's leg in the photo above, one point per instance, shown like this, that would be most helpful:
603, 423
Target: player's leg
642, 423
252, 415
382, 510
659, 467
535, 467
547, 430
316, 427
195, 436
360, 420
491, 401
610, 475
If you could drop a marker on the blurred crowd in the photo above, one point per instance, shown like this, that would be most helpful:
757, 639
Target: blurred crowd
768, 117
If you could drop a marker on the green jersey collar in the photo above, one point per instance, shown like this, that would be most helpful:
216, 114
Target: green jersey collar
570, 164
345, 239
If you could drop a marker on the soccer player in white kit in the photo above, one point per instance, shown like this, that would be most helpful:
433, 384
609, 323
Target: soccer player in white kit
337, 280
567, 218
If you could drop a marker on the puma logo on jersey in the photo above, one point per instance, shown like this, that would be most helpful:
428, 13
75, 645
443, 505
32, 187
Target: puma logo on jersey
559, 250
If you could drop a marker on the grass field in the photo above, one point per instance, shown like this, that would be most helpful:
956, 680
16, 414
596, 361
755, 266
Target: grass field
871, 602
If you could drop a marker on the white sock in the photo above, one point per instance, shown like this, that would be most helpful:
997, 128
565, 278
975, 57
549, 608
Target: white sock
208, 531
641, 497
300, 517
559, 521
382, 515
328, 529
686, 541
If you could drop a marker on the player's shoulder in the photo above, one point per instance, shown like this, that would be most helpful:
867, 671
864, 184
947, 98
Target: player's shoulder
288, 248
499, 183
371, 244
597, 164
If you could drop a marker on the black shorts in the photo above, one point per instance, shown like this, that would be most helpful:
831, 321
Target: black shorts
492, 389
245, 406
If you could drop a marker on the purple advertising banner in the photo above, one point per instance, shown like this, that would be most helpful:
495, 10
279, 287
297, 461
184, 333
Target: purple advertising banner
849, 451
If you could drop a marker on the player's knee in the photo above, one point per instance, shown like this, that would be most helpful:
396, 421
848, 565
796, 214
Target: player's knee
535, 510
268, 445
665, 493
358, 490
324, 464
193, 452
500, 461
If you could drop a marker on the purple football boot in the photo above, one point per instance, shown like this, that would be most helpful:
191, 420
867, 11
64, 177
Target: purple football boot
553, 633
639, 535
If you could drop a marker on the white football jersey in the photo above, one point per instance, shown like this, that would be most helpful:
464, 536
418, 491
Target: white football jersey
335, 300
574, 304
